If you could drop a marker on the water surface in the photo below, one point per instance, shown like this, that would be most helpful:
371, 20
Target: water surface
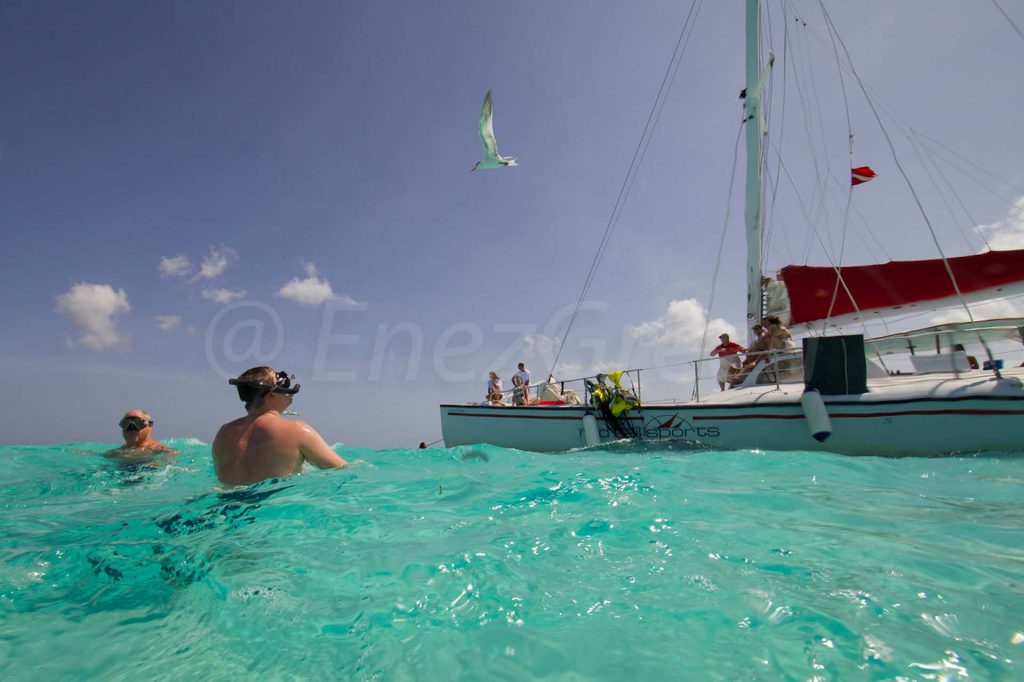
486, 563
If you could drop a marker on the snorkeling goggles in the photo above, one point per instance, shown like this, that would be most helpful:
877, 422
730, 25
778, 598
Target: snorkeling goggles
282, 384
134, 423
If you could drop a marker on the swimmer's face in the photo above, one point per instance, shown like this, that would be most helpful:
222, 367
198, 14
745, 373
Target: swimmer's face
129, 423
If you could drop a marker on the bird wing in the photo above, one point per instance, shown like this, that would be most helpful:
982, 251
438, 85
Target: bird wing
487, 128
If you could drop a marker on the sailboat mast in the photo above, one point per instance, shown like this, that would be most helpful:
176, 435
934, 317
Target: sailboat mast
752, 109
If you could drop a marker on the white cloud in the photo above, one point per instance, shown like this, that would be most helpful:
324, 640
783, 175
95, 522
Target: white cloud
568, 369
223, 295
682, 326
215, 262
92, 308
175, 266
1008, 233
313, 290
168, 322
538, 344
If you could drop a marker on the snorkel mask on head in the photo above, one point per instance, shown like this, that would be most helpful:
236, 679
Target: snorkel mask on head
250, 389
283, 384
134, 423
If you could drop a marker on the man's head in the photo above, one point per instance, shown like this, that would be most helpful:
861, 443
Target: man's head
258, 385
758, 329
136, 426
724, 338
522, 365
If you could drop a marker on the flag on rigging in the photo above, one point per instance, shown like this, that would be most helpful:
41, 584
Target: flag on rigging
861, 175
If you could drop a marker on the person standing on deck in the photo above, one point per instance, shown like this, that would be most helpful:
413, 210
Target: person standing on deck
263, 444
522, 380
728, 355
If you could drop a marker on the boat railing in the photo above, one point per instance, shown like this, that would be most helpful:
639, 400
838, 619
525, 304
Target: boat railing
580, 386
759, 368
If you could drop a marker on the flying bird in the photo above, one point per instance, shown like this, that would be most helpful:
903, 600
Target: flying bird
492, 159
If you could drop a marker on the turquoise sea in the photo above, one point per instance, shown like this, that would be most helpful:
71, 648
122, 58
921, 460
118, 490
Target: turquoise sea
484, 563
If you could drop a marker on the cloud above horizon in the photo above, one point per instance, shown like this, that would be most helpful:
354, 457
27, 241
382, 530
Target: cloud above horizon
215, 262
92, 308
538, 344
312, 290
1006, 234
175, 266
167, 322
211, 266
223, 295
682, 326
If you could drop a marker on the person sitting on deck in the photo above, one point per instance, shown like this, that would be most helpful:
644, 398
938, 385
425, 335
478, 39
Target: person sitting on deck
494, 389
757, 351
972, 361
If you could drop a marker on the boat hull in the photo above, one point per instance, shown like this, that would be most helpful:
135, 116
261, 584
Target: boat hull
964, 414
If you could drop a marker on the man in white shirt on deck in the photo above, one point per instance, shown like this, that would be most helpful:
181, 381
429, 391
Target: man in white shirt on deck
522, 379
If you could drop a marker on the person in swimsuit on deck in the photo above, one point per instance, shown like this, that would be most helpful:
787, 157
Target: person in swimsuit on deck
494, 388
756, 352
263, 444
780, 338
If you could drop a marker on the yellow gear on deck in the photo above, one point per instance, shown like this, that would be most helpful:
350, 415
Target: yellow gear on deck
624, 400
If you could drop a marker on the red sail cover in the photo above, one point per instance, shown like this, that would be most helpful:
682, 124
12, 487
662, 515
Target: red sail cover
895, 284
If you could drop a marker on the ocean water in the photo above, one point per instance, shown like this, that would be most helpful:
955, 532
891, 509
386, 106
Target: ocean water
483, 563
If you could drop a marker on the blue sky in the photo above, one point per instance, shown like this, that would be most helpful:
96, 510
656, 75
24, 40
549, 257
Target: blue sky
187, 190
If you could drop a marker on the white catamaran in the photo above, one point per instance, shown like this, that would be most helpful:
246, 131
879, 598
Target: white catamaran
837, 393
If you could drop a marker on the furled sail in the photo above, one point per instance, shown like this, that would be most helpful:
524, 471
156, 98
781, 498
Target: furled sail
815, 293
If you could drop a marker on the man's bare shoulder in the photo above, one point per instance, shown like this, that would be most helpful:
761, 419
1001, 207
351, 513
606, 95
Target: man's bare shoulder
234, 424
304, 431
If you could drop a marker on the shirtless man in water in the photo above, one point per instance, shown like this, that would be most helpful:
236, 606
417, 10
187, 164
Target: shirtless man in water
139, 445
263, 444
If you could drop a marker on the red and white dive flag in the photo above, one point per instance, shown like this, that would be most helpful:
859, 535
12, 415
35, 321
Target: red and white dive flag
862, 175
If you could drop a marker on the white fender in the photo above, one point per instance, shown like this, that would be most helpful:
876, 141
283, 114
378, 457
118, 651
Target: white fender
590, 434
818, 423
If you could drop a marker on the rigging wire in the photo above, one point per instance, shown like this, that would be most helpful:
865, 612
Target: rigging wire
1008, 19
919, 138
840, 281
899, 166
927, 164
816, 206
849, 190
721, 241
634, 165
769, 222
913, 191
990, 174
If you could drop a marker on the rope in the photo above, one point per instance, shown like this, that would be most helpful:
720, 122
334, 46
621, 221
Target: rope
641, 149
